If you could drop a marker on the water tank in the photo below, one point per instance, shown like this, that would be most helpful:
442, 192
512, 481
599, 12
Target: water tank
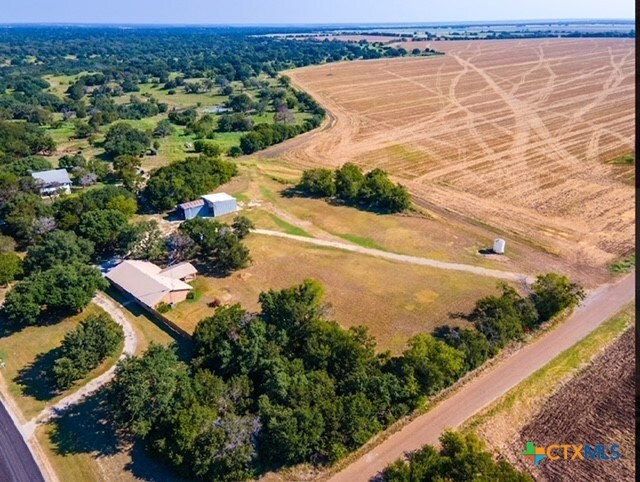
499, 245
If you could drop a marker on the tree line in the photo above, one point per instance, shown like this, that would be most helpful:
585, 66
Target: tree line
288, 385
350, 185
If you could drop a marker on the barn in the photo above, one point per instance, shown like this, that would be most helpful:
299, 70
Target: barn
220, 203
193, 209
209, 205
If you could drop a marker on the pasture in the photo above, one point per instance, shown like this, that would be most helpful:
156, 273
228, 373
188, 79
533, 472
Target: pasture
514, 134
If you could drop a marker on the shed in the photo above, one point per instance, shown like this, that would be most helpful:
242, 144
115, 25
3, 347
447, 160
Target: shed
193, 209
499, 246
220, 203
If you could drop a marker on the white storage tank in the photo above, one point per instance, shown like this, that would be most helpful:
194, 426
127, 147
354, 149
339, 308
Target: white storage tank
499, 245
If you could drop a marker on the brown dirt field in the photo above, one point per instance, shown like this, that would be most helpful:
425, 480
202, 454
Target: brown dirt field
595, 407
514, 134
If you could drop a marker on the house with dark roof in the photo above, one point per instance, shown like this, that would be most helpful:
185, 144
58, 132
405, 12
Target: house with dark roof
52, 182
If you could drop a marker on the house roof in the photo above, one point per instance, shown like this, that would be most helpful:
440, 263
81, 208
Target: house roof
52, 177
145, 281
191, 204
217, 197
179, 271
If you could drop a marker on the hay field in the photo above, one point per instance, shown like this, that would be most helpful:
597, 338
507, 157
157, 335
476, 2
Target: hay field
513, 133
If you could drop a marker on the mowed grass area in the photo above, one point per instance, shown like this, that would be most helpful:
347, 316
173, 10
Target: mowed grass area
394, 300
29, 355
503, 418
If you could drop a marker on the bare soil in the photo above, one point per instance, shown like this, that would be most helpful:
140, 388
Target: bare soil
596, 407
515, 134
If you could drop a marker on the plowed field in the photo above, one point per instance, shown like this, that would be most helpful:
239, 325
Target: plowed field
516, 134
596, 407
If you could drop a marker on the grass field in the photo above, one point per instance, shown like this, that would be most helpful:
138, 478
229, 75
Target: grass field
29, 355
516, 134
394, 300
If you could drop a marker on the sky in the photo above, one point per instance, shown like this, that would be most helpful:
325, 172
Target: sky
304, 11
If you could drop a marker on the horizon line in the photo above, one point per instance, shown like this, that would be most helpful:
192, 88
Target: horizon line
303, 24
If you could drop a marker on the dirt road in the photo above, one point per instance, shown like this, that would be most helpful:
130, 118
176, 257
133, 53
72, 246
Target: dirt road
493, 273
600, 305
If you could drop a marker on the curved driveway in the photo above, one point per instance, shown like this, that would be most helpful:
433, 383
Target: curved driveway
599, 306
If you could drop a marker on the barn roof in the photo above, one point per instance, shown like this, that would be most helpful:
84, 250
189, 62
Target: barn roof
217, 197
191, 204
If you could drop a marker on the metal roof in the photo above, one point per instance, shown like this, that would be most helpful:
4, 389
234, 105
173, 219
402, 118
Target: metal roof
145, 281
217, 197
191, 204
52, 177
179, 271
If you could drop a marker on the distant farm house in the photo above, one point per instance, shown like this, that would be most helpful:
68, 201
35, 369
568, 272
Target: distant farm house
209, 205
52, 182
151, 285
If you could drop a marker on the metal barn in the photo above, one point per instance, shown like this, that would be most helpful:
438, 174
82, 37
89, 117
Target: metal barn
220, 203
193, 209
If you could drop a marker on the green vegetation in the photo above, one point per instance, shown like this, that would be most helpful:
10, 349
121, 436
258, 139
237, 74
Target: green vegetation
289, 228
62, 289
186, 181
626, 159
215, 246
625, 265
372, 191
95, 339
461, 458
10, 267
287, 371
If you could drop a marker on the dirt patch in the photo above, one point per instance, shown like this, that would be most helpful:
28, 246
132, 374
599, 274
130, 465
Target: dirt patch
596, 407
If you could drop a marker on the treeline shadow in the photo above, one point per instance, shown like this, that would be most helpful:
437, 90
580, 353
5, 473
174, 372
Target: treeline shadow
86, 427
36, 380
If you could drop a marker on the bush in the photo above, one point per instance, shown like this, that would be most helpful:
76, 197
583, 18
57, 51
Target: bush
209, 149
163, 307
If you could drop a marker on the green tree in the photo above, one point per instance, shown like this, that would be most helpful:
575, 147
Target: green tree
63, 288
85, 347
105, 228
123, 139
553, 293
349, 180
208, 148
435, 364
147, 390
242, 226
146, 241
318, 183
58, 248
164, 128
10, 267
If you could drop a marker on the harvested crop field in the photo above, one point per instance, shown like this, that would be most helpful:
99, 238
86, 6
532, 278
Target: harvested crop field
596, 407
516, 134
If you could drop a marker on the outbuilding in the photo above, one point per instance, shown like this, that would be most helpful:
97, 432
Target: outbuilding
220, 203
52, 182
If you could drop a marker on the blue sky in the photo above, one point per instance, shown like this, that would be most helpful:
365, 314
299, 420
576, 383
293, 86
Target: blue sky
300, 11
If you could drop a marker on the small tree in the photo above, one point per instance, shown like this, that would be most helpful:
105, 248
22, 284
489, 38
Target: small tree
553, 293
10, 267
317, 183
